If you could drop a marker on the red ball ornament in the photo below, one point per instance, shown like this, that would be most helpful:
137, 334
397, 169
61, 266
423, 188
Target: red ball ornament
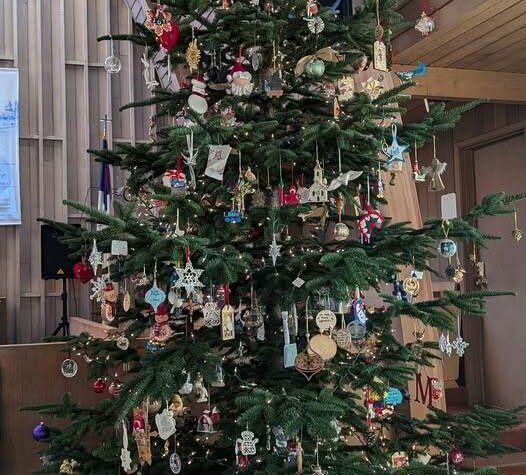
83, 271
456, 456
168, 39
98, 386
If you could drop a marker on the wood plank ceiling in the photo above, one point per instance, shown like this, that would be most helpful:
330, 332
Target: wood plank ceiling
487, 35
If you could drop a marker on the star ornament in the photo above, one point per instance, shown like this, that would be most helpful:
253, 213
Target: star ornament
395, 151
188, 277
126, 459
95, 257
274, 251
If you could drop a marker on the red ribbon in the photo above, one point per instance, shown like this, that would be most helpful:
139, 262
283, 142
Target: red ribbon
173, 173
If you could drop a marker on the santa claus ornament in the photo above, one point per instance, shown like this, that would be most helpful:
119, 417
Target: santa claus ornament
107, 308
240, 80
160, 331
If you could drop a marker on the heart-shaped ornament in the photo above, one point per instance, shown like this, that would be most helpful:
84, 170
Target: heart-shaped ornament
165, 424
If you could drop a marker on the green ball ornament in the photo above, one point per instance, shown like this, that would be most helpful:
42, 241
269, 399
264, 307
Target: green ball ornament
315, 68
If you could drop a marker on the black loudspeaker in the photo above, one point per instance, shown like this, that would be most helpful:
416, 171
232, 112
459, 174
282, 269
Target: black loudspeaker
55, 261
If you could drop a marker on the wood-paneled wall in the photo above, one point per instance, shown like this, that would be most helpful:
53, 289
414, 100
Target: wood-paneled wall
30, 375
485, 118
64, 91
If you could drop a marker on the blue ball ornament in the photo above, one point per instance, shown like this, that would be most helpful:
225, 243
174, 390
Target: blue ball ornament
447, 248
40, 432
394, 396
151, 346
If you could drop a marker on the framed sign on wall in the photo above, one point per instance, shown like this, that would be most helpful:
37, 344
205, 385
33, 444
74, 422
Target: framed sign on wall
9, 162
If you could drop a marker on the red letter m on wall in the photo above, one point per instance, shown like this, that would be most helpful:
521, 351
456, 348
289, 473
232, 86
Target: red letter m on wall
423, 396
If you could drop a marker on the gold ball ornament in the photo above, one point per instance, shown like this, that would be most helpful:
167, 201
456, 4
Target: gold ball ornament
411, 286
68, 466
459, 274
516, 234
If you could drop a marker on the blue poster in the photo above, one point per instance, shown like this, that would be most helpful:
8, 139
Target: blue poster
9, 169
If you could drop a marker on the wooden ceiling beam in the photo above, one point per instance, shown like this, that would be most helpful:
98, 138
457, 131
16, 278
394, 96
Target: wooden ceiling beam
453, 20
479, 38
500, 61
468, 84
495, 50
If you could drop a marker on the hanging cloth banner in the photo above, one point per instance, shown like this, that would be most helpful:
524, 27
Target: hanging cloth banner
10, 210
217, 157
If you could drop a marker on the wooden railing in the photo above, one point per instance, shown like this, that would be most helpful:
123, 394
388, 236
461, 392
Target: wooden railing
30, 375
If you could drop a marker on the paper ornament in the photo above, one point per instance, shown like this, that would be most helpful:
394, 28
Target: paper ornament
165, 424
217, 158
188, 277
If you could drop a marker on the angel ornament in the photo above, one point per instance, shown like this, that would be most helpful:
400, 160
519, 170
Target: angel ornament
191, 158
199, 389
149, 71
435, 171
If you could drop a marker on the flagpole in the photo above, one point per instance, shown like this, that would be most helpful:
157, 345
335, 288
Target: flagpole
105, 189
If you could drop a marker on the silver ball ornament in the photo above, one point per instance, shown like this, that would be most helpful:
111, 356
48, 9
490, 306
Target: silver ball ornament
112, 64
315, 68
341, 232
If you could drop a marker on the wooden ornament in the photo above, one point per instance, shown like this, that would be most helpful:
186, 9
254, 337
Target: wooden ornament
324, 346
227, 323
308, 363
126, 302
380, 56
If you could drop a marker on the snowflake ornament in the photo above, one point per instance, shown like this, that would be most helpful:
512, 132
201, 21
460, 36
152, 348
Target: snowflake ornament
188, 277
97, 288
274, 251
445, 345
459, 345
372, 87
211, 314
95, 257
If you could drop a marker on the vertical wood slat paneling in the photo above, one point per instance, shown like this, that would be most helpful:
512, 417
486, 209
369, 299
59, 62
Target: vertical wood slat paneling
485, 118
64, 90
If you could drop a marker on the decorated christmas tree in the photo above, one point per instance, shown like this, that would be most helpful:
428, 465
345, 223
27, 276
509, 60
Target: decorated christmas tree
249, 281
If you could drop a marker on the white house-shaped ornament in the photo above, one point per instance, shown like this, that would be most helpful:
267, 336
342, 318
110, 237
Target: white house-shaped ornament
318, 191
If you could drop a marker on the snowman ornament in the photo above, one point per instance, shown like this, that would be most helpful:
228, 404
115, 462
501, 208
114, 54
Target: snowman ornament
247, 443
197, 100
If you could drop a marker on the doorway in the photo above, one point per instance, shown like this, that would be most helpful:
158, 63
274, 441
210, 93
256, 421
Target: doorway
494, 362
